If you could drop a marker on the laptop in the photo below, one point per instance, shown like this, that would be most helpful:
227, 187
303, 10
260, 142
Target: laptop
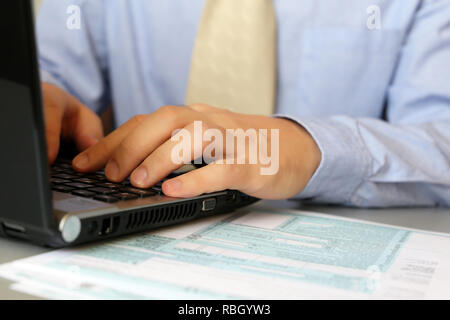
54, 205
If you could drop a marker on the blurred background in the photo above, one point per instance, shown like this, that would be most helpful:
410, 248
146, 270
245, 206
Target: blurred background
37, 4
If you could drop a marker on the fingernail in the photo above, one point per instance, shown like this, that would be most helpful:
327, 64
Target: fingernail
139, 176
173, 186
112, 169
81, 161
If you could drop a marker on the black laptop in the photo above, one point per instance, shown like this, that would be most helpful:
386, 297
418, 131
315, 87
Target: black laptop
56, 206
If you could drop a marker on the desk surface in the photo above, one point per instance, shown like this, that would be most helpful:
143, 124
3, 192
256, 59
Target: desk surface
430, 219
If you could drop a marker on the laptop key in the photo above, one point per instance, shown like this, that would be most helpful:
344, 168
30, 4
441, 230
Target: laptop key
59, 181
78, 185
79, 174
65, 176
97, 177
125, 183
103, 191
62, 188
84, 193
125, 196
65, 165
109, 185
87, 180
140, 192
106, 198
158, 190
69, 171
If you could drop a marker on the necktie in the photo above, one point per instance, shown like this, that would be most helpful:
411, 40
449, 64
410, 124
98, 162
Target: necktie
234, 59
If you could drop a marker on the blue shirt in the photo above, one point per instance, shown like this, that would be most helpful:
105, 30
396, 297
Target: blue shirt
376, 100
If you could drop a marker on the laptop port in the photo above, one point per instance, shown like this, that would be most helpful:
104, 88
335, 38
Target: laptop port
109, 226
230, 198
209, 204
92, 227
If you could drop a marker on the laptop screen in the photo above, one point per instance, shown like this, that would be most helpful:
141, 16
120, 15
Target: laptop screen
25, 194
15, 52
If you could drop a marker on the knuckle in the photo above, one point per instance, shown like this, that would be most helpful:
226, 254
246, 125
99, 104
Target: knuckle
138, 119
170, 113
157, 158
207, 125
200, 107
223, 112
225, 118
126, 147
190, 127
102, 148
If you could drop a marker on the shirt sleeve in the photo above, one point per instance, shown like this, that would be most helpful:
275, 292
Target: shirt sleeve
405, 159
71, 56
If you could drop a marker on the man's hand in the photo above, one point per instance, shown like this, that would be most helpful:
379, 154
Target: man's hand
142, 148
69, 119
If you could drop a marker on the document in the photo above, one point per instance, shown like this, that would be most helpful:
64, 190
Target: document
252, 254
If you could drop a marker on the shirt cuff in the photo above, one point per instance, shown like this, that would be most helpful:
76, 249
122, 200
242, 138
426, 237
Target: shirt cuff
47, 77
345, 161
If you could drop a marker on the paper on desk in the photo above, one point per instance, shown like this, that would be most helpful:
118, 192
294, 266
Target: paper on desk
256, 254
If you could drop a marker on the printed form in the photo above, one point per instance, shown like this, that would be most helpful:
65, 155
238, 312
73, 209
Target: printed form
254, 254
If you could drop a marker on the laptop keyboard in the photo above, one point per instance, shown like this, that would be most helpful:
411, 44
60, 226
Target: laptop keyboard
95, 185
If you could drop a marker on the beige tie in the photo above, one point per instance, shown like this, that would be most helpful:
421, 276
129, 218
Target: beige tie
234, 59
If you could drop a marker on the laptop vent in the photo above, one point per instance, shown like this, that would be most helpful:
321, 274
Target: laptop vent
163, 215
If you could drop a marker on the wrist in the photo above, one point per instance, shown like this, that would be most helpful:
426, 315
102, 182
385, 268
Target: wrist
303, 153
